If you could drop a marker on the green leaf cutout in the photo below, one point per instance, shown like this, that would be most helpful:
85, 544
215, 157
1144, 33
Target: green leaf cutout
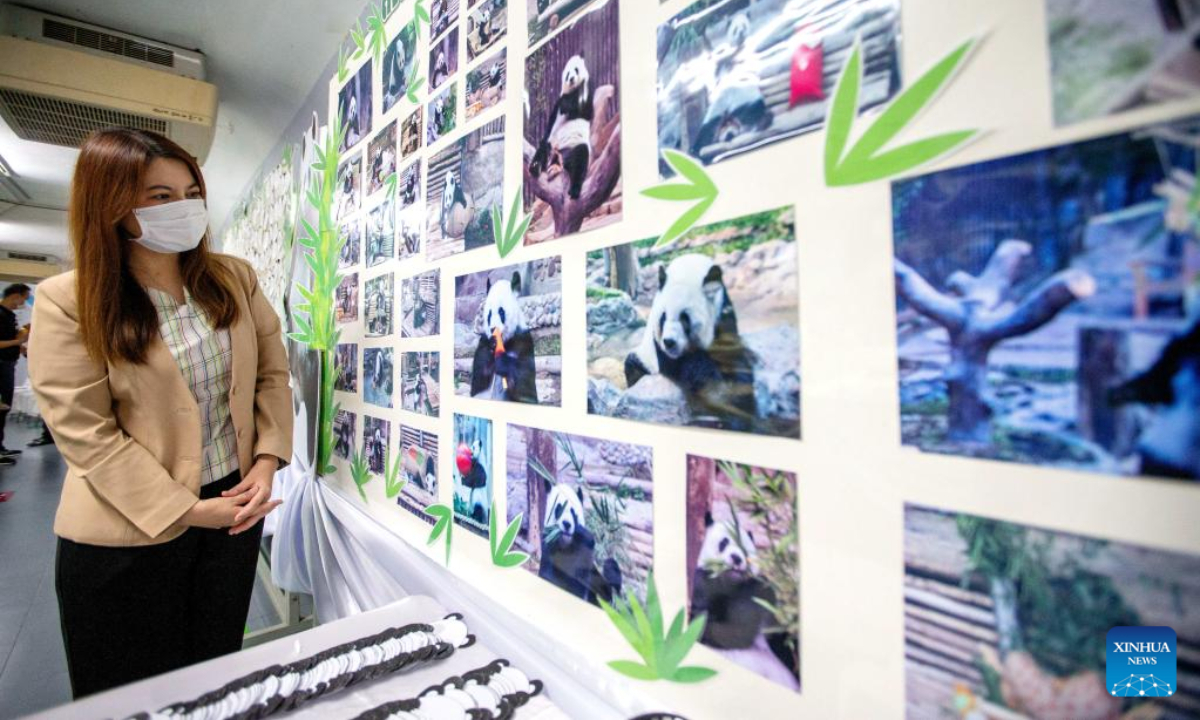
378, 39
422, 15
502, 553
393, 482
661, 651
390, 185
508, 236
866, 161
415, 82
444, 525
343, 70
360, 473
699, 187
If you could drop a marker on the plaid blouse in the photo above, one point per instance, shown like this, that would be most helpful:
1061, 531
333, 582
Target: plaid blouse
205, 358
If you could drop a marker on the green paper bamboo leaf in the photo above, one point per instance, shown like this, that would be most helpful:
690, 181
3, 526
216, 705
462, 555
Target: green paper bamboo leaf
523, 228
496, 222
512, 215
502, 546
631, 669
680, 644
689, 168
900, 112
692, 674
676, 192
684, 223
444, 525
513, 559
902, 159
421, 13
841, 110
624, 626
654, 610
304, 338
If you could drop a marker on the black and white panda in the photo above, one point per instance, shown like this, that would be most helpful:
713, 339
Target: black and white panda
504, 367
569, 131
485, 26
692, 339
453, 198
728, 589
568, 549
441, 68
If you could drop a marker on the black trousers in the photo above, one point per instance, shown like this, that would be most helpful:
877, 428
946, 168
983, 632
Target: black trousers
8, 379
130, 613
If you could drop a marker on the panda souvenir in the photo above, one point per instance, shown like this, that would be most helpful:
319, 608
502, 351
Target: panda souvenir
568, 138
692, 339
504, 367
568, 549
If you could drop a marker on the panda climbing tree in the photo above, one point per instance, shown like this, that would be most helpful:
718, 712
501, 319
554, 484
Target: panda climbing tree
576, 164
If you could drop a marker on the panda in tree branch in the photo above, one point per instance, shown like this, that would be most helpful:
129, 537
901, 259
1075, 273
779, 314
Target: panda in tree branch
569, 131
504, 367
692, 339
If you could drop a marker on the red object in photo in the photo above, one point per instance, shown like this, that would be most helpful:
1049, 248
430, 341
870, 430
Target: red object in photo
808, 70
463, 459
4, 496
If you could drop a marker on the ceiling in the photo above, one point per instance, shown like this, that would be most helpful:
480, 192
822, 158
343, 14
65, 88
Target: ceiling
264, 57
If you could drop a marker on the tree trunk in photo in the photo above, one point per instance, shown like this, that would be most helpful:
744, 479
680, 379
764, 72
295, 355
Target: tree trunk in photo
1104, 363
540, 447
970, 417
978, 314
1008, 625
700, 474
623, 273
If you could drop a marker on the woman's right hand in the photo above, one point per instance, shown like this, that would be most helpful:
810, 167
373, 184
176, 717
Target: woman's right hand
217, 513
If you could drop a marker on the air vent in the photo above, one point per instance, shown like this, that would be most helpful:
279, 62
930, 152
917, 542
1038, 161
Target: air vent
104, 42
61, 122
31, 257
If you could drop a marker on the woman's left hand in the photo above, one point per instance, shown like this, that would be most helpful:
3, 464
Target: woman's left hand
255, 490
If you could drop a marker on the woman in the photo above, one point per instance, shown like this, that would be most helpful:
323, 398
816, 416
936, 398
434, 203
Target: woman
161, 372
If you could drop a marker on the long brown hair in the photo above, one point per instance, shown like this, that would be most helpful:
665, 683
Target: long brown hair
117, 319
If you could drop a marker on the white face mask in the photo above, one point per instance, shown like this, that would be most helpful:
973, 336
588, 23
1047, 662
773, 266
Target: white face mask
173, 227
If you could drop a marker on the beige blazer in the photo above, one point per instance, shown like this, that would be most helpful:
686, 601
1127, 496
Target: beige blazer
130, 434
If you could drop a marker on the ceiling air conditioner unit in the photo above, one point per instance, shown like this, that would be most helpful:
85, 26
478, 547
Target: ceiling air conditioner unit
61, 79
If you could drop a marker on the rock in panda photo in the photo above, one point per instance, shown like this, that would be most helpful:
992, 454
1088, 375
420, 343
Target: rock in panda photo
504, 366
568, 549
567, 140
692, 339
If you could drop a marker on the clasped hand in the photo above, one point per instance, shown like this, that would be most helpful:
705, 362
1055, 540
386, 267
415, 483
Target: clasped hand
240, 507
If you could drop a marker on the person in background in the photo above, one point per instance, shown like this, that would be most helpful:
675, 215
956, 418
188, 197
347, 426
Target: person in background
11, 340
45, 438
160, 368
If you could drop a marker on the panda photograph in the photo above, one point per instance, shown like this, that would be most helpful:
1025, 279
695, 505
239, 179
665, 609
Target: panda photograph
347, 196
545, 16
345, 299
377, 376
411, 131
381, 233
572, 149
443, 114
410, 211
399, 60
381, 158
585, 508
486, 26
508, 333
443, 60
344, 423
473, 473
487, 84
736, 76
702, 332
419, 385
354, 107
743, 556
345, 368
420, 305
351, 234
377, 434
419, 468
442, 14
377, 305
464, 185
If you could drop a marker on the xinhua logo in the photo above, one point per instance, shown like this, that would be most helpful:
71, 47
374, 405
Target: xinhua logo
1140, 662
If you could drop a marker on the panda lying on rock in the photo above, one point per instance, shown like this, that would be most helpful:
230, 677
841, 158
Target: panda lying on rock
504, 367
568, 549
728, 589
692, 339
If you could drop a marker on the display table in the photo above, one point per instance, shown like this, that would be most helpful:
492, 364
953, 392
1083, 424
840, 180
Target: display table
191, 682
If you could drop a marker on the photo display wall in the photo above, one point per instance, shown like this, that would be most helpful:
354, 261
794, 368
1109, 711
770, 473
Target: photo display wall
862, 335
